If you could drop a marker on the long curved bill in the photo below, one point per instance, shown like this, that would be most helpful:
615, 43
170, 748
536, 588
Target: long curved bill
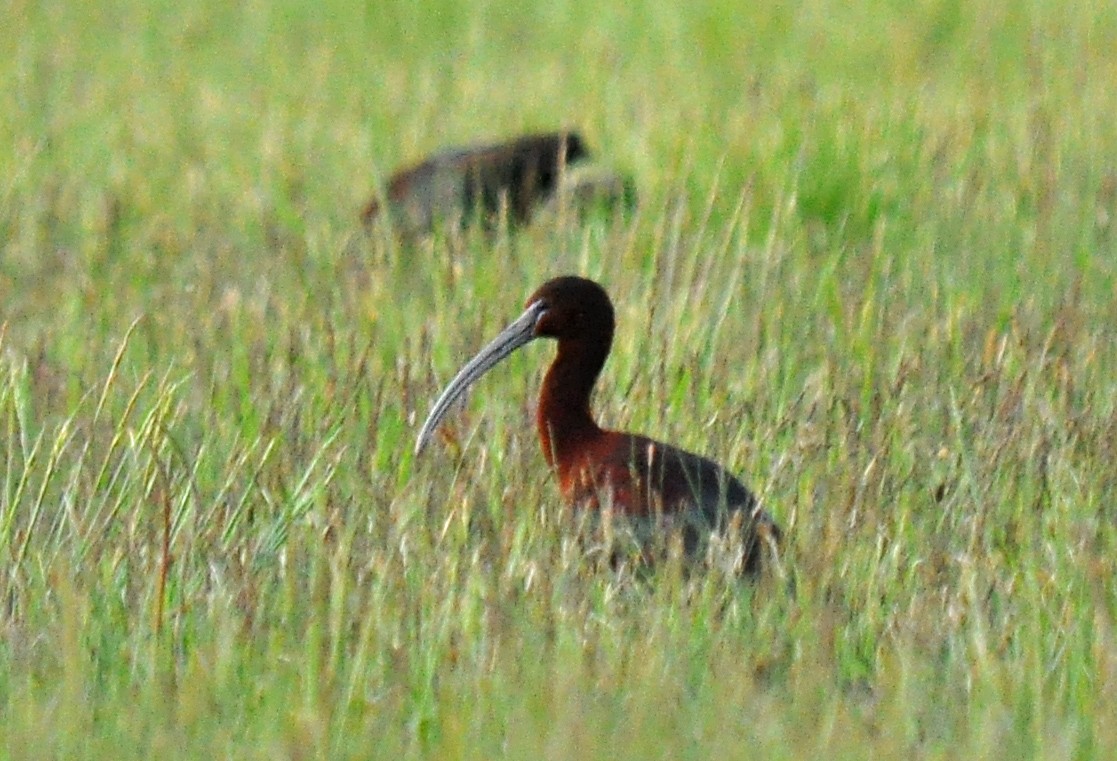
511, 338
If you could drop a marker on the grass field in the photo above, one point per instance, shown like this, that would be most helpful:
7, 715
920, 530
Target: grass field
873, 271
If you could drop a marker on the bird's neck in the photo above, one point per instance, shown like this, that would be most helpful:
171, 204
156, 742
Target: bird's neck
564, 419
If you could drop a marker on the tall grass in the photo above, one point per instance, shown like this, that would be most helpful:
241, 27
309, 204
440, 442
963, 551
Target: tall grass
872, 271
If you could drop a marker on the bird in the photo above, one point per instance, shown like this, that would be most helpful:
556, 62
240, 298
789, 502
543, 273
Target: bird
459, 185
632, 475
584, 191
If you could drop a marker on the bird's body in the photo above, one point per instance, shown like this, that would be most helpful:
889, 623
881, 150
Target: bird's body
587, 190
458, 185
632, 475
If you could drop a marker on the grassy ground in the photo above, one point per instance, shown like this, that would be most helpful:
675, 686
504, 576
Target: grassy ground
873, 272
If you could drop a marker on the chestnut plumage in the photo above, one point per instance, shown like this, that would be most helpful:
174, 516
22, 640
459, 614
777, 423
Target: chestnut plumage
635, 476
460, 185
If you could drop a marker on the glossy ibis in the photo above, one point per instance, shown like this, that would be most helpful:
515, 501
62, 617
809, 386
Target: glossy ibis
637, 477
459, 185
